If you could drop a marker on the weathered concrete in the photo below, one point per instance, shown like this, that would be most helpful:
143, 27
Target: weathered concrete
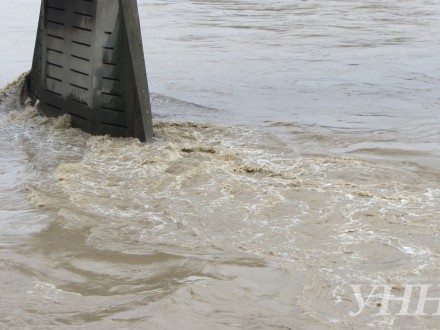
89, 63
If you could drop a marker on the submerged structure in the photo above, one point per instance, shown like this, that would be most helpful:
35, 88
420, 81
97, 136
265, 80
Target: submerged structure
89, 63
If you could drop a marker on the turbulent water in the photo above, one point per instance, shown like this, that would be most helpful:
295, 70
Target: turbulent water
296, 155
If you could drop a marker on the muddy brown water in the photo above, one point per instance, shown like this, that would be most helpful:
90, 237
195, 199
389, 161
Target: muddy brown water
296, 155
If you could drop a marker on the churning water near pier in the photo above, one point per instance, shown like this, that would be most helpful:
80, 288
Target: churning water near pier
296, 155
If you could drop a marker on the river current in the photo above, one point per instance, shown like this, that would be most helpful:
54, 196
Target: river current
296, 159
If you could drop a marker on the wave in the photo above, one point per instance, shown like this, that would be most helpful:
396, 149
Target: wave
206, 218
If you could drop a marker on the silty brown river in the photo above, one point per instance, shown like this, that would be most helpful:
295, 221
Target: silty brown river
296, 159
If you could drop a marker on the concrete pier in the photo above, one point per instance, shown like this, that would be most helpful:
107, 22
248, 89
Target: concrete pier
89, 63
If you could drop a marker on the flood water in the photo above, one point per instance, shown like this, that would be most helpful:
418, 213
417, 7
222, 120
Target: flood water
296, 156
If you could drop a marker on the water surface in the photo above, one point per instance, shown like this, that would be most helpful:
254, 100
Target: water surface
296, 154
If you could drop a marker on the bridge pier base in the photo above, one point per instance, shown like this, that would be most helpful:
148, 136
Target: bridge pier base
89, 63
